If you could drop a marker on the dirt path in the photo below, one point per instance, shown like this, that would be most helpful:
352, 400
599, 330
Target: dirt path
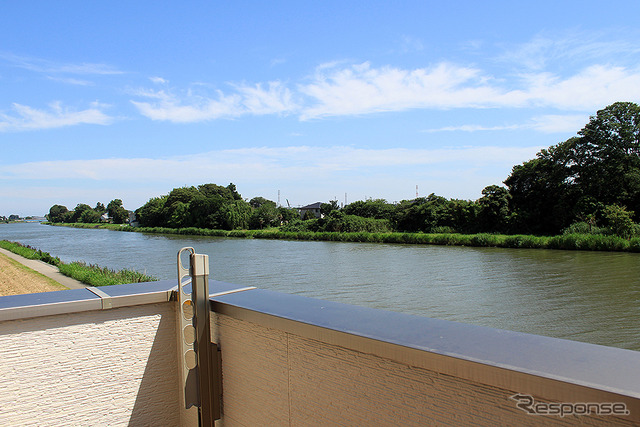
15, 278
43, 268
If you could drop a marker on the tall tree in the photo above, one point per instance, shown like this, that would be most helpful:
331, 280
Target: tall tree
543, 191
57, 213
607, 156
117, 212
78, 211
577, 178
494, 208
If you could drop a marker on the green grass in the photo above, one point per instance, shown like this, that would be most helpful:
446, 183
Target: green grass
29, 252
574, 241
92, 275
95, 275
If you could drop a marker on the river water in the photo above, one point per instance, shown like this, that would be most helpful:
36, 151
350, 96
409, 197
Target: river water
584, 296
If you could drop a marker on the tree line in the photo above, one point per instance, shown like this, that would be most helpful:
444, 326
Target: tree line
586, 184
114, 212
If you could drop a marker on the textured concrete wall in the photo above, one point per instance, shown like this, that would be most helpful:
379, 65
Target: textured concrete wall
272, 377
111, 367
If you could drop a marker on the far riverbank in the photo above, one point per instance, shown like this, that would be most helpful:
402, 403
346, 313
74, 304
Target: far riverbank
582, 242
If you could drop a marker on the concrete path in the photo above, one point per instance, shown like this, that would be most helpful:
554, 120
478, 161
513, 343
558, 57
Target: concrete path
48, 270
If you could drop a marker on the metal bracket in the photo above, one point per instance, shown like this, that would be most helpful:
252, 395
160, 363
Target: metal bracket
105, 298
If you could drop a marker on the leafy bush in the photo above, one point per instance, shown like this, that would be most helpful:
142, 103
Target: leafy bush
582, 227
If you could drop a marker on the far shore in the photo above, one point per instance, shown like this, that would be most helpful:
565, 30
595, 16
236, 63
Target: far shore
584, 242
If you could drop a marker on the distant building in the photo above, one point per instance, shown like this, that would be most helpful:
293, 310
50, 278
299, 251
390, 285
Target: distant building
132, 219
314, 208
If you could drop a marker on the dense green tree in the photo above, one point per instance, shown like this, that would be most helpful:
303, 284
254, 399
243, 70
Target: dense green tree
90, 216
68, 216
151, 214
286, 215
117, 212
57, 213
619, 221
204, 206
372, 208
307, 215
232, 188
607, 156
257, 202
235, 215
228, 193
543, 191
266, 215
327, 208
493, 214
79, 210
100, 208
575, 179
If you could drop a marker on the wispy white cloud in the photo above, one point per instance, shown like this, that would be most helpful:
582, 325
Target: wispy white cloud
25, 118
168, 107
71, 81
587, 90
158, 80
41, 65
272, 98
361, 89
558, 123
551, 123
473, 128
573, 72
569, 48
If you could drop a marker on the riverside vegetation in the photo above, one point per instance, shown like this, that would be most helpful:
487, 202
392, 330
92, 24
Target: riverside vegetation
91, 274
583, 193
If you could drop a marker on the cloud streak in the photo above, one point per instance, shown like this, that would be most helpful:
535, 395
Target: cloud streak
40, 65
259, 99
551, 123
25, 118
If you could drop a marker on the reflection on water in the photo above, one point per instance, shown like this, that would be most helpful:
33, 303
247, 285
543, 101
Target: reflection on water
585, 296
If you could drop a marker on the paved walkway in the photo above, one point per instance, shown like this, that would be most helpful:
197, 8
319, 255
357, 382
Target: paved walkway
48, 270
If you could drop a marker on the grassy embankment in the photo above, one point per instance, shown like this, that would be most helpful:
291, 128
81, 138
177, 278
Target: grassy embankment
587, 242
92, 275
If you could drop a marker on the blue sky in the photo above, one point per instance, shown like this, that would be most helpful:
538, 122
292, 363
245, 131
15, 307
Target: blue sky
105, 100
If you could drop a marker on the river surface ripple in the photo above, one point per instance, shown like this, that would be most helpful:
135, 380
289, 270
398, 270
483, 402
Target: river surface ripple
585, 296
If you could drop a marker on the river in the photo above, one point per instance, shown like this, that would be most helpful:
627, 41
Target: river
585, 296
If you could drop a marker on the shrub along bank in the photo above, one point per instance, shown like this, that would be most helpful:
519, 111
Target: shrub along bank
91, 274
572, 241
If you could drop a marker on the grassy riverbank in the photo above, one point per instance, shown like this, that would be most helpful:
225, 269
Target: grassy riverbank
587, 242
92, 275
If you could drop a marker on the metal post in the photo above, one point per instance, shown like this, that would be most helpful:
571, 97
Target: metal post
203, 347
200, 364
